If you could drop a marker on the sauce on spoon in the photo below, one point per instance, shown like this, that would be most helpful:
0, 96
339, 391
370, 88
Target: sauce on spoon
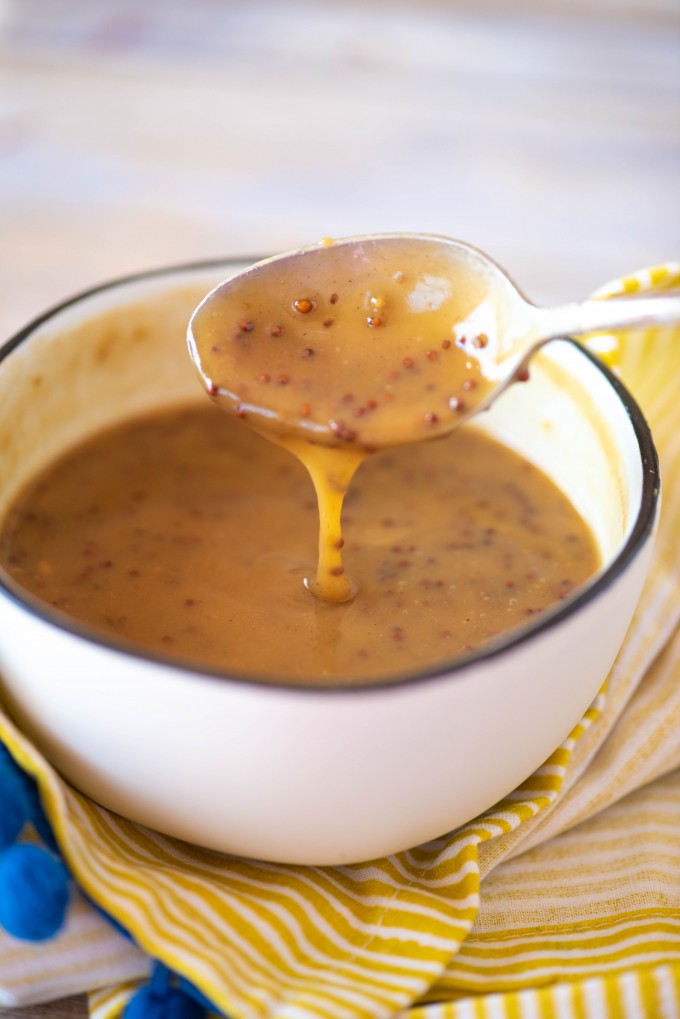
360, 346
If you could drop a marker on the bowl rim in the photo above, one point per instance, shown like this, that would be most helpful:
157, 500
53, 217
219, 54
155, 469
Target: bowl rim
446, 669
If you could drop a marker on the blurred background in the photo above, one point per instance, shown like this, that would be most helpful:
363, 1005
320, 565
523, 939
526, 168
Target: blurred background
136, 134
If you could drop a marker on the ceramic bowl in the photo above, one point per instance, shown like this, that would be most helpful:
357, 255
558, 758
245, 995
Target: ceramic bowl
290, 773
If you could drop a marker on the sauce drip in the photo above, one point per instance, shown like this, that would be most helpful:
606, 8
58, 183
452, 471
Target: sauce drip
370, 348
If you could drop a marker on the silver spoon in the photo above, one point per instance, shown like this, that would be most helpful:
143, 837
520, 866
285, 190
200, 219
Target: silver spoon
428, 281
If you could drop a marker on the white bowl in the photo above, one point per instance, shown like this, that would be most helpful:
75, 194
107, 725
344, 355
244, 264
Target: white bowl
284, 772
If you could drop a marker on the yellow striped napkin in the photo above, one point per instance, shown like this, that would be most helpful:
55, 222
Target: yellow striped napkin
562, 901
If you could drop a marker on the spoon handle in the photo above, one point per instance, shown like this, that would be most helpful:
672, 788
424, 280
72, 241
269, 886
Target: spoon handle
599, 316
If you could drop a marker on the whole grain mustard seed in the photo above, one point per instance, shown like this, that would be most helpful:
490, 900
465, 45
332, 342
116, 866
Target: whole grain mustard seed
374, 321
264, 377
340, 429
523, 375
303, 305
327, 322
430, 418
432, 355
469, 384
276, 331
246, 327
283, 380
455, 403
333, 298
481, 341
305, 410
446, 344
308, 352
407, 362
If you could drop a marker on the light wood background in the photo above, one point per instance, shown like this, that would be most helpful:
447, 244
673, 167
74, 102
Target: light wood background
138, 134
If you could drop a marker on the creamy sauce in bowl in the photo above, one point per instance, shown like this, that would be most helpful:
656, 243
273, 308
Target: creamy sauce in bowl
187, 534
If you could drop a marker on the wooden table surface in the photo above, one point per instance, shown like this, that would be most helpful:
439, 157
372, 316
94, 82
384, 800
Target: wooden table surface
134, 135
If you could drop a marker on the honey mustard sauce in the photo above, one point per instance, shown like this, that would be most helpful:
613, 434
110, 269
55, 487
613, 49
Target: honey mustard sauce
187, 534
367, 349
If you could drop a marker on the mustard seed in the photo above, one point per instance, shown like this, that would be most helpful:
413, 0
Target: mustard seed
340, 429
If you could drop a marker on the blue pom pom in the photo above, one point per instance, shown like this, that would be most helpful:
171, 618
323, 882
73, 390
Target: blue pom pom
15, 806
158, 1000
20, 802
175, 1005
34, 892
36, 816
194, 993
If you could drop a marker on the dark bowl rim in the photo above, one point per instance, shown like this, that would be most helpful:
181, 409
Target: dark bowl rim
459, 664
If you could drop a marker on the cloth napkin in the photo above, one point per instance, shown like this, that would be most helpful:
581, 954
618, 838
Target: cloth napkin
561, 901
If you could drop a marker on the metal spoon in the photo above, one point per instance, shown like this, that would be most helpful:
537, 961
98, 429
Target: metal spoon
376, 340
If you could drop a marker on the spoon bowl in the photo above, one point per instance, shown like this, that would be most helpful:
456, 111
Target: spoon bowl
381, 339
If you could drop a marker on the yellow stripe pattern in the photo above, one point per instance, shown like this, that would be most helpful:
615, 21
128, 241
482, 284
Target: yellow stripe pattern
578, 869
109, 1002
645, 993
